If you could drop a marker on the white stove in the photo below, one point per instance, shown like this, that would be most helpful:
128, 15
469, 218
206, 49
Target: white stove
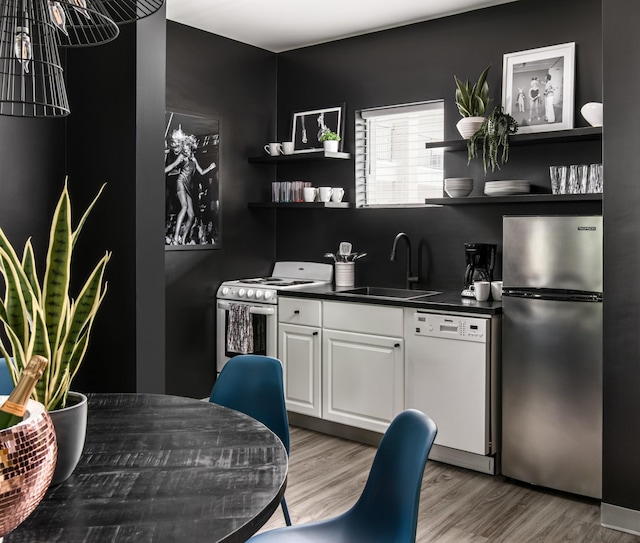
286, 276
254, 304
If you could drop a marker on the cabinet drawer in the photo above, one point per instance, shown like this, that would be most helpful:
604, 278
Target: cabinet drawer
364, 318
300, 311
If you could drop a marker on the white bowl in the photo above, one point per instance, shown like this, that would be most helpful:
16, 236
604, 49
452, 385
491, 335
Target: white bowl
592, 112
458, 192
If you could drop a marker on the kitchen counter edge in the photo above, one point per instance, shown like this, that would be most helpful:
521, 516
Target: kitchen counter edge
445, 301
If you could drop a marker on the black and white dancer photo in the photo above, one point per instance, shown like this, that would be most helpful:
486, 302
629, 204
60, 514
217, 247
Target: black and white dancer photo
192, 202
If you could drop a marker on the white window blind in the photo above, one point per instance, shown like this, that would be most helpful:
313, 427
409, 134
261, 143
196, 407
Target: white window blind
393, 166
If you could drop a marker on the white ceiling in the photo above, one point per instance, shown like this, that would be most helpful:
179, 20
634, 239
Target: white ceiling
281, 25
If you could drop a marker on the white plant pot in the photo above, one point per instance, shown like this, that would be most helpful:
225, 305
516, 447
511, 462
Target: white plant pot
331, 146
468, 126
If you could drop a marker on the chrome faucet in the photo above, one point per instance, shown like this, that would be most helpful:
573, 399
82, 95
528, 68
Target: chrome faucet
411, 279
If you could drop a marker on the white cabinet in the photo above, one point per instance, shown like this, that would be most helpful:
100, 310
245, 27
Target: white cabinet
299, 345
362, 364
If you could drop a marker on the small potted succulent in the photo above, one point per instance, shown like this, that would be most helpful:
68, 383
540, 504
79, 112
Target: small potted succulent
39, 316
472, 101
494, 133
330, 141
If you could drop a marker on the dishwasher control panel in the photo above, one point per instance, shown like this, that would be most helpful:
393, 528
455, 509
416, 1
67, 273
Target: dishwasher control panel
450, 326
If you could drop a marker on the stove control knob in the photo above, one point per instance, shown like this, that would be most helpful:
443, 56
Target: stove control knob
250, 293
268, 295
241, 293
225, 291
259, 294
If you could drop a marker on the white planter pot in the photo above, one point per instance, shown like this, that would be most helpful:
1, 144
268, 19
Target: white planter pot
468, 126
331, 146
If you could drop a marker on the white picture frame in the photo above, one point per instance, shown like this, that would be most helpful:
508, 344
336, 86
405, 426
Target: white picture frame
538, 88
307, 127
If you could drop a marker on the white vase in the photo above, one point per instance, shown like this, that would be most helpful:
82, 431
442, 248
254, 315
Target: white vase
468, 126
331, 146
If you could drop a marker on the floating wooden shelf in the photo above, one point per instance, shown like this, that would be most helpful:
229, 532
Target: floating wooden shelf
295, 157
515, 199
559, 136
296, 205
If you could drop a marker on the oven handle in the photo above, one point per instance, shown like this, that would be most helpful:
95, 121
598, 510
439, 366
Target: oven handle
254, 310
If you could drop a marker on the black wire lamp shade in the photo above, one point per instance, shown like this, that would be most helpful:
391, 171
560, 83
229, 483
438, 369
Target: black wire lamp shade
31, 78
31, 75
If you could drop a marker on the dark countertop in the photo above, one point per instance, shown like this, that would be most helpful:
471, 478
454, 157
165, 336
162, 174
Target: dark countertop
163, 469
445, 301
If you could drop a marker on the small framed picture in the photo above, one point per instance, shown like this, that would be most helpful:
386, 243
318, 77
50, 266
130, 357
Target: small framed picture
538, 88
308, 127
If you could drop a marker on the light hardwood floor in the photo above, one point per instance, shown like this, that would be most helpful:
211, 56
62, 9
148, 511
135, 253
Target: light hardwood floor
327, 474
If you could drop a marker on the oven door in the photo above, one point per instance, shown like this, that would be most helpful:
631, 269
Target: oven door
264, 319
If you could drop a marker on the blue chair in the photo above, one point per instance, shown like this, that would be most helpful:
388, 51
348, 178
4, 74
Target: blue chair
387, 510
253, 384
6, 384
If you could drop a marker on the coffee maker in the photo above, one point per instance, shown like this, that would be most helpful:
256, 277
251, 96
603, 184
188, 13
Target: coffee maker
481, 260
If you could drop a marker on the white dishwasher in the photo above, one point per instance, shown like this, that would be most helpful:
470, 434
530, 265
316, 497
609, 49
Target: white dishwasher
451, 375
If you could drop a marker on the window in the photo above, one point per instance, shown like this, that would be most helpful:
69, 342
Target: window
393, 166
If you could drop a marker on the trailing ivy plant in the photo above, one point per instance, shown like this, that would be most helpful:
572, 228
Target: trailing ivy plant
494, 134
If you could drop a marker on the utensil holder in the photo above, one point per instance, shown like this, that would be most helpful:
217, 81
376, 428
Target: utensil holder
345, 274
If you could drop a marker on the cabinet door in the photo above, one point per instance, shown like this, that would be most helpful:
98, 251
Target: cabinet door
363, 379
299, 351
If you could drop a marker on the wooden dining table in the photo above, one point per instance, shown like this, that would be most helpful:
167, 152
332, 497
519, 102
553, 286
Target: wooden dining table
158, 468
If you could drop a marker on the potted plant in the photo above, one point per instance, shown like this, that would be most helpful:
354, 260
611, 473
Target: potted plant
494, 133
39, 316
472, 101
330, 141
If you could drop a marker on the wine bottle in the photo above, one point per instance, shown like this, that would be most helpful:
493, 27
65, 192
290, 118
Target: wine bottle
13, 409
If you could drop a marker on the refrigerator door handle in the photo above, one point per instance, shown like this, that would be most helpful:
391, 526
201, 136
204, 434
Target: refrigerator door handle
568, 296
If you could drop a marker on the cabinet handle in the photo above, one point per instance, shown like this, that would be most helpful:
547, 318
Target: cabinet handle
296, 312
315, 333
397, 345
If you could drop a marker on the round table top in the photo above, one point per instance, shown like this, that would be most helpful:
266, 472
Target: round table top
159, 468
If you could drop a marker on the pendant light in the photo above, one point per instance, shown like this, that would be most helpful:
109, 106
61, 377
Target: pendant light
31, 82
31, 75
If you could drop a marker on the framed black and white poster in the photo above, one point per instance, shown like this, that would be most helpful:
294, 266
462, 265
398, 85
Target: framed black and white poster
192, 184
538, 88
308, 126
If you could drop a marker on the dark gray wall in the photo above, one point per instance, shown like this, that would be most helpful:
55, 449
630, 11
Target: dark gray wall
212, 76
621, 477
415, 63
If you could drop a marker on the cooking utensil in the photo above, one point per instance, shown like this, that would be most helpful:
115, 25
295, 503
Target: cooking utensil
344, 250
331, 255
358, 256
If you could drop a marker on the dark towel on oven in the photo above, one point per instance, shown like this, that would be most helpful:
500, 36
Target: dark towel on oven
239, 329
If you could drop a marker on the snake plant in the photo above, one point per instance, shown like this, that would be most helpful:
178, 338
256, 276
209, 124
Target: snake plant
40, 317
473, 99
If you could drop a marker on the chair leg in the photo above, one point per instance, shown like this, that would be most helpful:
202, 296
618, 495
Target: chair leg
285, 512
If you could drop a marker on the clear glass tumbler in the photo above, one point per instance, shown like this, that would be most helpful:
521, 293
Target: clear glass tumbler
595, 178
583, 178
558, 176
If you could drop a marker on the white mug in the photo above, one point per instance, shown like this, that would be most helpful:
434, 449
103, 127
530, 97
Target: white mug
481, 290
309, 194
496, 290
274, 149
337, 194
324, 193
287, 147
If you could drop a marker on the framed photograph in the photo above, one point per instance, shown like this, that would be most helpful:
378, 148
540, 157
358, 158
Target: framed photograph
308, 126
537, 88
192, 184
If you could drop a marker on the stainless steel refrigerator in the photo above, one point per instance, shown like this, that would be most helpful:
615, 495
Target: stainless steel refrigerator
552, 352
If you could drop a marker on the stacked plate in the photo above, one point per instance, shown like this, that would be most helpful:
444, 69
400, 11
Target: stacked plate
458, 187
506, 188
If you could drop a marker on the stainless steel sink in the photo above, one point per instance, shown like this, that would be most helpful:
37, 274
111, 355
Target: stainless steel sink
382, 292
